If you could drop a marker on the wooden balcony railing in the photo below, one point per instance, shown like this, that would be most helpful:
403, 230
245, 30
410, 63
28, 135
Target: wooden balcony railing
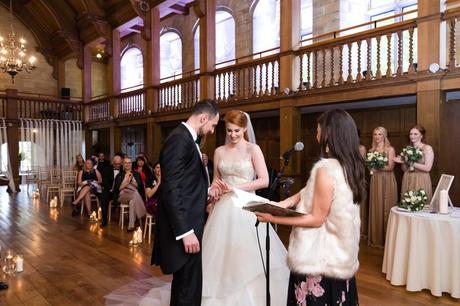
48, 108
179, 94
252, 79
132, 104
99, 109
451, 17
385, 52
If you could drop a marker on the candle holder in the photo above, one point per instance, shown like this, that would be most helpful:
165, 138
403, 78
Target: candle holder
10, 266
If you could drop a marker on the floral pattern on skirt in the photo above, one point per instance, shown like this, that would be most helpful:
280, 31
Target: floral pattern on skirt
312, 290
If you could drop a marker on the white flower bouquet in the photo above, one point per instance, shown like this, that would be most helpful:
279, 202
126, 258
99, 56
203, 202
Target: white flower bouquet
375, 160
410, 155
413, 200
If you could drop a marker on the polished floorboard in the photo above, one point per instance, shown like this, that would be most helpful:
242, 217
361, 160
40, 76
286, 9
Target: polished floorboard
71, 261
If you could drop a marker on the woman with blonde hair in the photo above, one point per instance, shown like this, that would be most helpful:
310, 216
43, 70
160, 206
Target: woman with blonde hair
383, 191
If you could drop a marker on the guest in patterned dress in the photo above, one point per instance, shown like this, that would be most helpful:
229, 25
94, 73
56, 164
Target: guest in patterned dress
324, 242
417, 175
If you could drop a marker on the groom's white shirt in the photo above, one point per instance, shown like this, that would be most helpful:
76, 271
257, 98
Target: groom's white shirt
194, 136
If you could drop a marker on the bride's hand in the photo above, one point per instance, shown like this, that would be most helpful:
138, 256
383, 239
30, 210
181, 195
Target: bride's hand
224, 187
264, 217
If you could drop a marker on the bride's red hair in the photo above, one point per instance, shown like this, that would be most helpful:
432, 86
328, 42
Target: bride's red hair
236, 117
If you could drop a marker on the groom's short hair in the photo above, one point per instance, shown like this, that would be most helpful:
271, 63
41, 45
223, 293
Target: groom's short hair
207, 106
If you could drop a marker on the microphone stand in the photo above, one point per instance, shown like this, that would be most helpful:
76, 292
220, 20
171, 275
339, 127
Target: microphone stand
278, 181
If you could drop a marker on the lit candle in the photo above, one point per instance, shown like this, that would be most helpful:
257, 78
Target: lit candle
443, 199
99, 214
19, 263
135, 241
139, 235
93, 216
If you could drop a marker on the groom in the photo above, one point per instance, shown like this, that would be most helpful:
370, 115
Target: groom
182, 205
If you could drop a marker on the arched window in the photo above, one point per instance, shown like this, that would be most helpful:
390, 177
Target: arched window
170, 55
225, 38
306, 18
132, 69
196, 47
266, 25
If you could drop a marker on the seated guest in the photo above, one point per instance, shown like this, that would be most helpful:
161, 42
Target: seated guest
88, 181
108, 178
79, 163
141, 167
101, 162
128, 189
151, 189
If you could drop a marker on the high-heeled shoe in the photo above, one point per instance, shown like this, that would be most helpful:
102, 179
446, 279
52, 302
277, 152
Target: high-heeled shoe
76, 210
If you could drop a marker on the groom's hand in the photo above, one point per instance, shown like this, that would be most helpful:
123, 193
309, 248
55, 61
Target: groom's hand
191, 244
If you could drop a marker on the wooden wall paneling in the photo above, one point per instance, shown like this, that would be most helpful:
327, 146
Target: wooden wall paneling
450, 138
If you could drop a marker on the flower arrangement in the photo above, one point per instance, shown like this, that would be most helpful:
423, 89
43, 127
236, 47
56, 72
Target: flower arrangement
410, 155
413, 200
376, 160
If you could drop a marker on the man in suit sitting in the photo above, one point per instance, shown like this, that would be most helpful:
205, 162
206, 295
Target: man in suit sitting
108, 177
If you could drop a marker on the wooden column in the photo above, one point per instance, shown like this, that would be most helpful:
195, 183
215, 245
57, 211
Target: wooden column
153, 141
429, 94
114, 72
61, 76
289, 114
152, 66
115, 140
290, 133
86, 75
12, 133
289, 40
208, 49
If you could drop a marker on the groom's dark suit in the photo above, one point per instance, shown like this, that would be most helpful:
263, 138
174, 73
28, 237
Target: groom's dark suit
181, 208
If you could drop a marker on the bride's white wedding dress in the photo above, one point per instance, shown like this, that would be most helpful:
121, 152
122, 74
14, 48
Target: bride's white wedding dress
233, 273
232, 268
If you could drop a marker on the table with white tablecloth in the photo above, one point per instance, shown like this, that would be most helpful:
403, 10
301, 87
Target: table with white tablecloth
422, 251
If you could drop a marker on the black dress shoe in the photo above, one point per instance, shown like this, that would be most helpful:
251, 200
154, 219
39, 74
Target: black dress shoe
76, 210
3, 285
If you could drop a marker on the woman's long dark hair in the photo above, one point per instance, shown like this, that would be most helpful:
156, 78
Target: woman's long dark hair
339, 139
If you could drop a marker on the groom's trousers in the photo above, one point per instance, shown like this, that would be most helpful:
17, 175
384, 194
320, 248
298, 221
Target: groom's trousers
187, 283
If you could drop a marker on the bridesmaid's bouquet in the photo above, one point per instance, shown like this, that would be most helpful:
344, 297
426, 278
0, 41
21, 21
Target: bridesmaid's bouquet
410, 155
375, 160
413, 200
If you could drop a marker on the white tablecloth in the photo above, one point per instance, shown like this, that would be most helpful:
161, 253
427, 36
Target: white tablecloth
422, 251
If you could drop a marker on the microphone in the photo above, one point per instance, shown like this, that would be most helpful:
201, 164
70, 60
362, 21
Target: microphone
297, 147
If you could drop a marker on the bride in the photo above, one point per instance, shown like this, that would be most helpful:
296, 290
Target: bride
233, 273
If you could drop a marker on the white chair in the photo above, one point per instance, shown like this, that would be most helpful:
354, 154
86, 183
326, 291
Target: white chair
93, 199
69, 181
32, 176
124, 209
55, 185
148, 222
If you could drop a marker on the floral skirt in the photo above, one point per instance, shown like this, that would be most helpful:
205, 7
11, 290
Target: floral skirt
308, 290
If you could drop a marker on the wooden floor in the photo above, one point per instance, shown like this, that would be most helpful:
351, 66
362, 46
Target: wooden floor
69, 261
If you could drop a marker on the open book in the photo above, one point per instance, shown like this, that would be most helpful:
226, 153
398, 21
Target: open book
254, 203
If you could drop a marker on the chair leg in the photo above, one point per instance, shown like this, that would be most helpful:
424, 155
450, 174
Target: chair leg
150, 229
145, 226
110, 211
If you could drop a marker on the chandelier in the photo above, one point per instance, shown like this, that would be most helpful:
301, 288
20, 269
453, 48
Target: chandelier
13, 53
